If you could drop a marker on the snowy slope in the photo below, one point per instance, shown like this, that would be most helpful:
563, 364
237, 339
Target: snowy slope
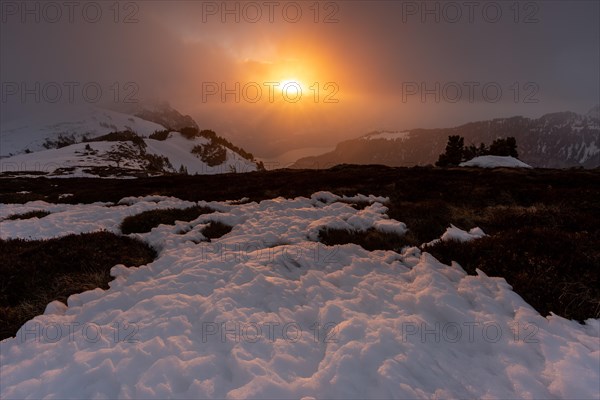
80, 160
76, 121
266, 312
494, 162
52, 144
75, 158
178, 150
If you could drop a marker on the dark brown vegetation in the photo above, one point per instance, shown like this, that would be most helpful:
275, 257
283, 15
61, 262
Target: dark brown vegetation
28, 215
145, 221
369, 240
212, 154
34, 273
160, 135
544, 225
120, 136
553, 270
215, 230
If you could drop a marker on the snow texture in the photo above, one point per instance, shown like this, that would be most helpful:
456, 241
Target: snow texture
457, 234
23, 145
495, 162
266, 312
80, 157
31, 132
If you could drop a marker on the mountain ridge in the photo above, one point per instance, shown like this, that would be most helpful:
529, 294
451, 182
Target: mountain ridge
92, 141
554, 140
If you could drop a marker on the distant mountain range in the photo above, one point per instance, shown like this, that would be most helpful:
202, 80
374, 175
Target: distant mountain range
557, 140
91, 141
156, 139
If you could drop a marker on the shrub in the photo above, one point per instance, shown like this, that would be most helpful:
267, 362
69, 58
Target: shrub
160, 135
63, 140
214, 138
157, 163
144, 222
212, 154
120, 136
189, 132
208, 133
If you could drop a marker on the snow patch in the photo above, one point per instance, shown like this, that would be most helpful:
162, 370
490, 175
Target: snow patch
263, 312
457, 234
495, 162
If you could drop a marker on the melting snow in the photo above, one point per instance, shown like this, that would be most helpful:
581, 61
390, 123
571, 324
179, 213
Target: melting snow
82, 156
454, 233
495, 162
265, 312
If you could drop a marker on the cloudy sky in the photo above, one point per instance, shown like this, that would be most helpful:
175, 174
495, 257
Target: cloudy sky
273, 76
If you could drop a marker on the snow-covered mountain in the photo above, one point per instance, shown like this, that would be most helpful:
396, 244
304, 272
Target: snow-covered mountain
161, 113
91, 141
557, 140
67, 125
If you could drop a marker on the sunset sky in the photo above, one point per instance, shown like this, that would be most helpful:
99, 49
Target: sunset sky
359, 64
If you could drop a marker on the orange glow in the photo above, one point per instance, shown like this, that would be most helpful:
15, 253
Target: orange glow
301, 77
294, 86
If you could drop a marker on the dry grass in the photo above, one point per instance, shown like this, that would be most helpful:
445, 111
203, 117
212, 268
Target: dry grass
552, 270
34, 273
29, 215
215, 230
145, 221
369, 240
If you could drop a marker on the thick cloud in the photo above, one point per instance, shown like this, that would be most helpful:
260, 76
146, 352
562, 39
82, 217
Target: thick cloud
377, 53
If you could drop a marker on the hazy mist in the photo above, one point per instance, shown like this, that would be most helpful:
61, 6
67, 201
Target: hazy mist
544, 57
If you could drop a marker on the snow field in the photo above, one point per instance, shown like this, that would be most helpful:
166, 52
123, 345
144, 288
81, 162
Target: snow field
268, 312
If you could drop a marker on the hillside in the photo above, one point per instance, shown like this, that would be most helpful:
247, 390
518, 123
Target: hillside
95, 142
67, 125
125, 158
162, 113
558, 140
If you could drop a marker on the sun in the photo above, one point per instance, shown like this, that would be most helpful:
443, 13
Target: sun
291, 87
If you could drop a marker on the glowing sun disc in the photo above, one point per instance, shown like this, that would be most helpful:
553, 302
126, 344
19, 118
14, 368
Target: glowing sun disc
292, 87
